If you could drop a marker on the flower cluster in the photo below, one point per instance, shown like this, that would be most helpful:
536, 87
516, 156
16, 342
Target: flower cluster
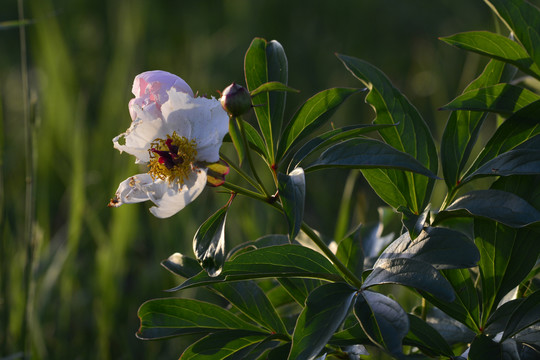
176, 135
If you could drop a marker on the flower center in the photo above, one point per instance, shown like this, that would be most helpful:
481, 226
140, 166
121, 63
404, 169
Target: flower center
172, 158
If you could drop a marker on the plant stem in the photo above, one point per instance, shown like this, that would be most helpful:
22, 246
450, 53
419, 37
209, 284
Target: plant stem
248, 155
243, 191
324, 248
241, 172
449, 198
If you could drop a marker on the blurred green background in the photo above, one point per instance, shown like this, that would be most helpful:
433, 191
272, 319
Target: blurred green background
90, 267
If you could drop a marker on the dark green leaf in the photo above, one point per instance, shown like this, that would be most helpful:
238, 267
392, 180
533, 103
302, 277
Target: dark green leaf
278, 70
209, 242
506, 257
410, 135
326, 308
222, 345
263, 241
299, 289
273, 261
499, 318
255, 140
312, 114
256, 72
441, 247
513, 162
524, 315
182, 265
351, 254
517, 129
168, 317
252, 301
413, 273
465, 308
497, 47
363, 153
523, 19
415, 223
462, 128
292, 192
497, 205
350, 336
451, 330
331, 137
382, 319
425, 337
483, 348
272, 86
501, 98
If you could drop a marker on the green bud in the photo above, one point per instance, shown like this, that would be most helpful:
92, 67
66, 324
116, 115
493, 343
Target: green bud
235, 100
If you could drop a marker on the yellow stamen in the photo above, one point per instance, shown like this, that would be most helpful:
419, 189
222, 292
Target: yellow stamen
172, 158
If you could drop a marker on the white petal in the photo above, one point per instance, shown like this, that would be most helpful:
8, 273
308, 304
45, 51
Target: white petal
155, 84
134, 189
176, 197
208, 122
137, 139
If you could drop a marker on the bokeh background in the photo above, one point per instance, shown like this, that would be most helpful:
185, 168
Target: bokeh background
77, 270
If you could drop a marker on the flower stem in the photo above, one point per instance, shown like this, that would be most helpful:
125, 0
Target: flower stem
243, 191
324, 248
248, 154
241, 172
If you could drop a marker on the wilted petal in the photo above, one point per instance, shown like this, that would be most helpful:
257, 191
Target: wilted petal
176, 197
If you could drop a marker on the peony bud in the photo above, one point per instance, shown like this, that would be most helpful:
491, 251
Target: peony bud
235, 99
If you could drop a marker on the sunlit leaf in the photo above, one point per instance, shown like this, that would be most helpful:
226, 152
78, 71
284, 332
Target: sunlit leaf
500, 98
278, 70
182, 265
236, 138
249, 298
168, 317
382, 319
363, 153
209, 242
311, 115
273, 261
411, 135
463, 127
272, 86
410, 272
326, 308
351, 254
292, 192
497, 47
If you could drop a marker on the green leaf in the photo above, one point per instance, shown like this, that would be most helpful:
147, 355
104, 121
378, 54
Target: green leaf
312, 114
326, 308
363, 153
209, 242
513, 162
331, 137
499, 318
483, 348
255, 140
236, 138
506, 257
517, 129
292, 192
299, 289
256, 72
182, 265
523, 19
425, 337
410, 272
161, 318
263, 241
441, 247
525, 314
273, 261
497, 47
350, 336
501, 206
272, 86
462, 128
500, 98
248, 297
278, 70
465, 307
410, 135
382, 319
413, 222
351, 254
222, 345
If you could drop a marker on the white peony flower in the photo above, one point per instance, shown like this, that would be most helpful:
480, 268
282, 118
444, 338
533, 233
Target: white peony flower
175, 134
